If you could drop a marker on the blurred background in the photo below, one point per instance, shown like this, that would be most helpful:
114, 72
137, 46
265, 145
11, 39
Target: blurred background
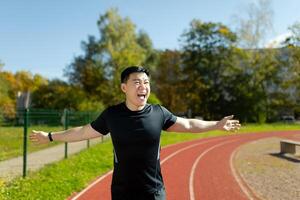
207, 59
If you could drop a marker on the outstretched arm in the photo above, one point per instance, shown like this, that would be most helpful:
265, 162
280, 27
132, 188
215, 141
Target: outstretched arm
198, 126
70, 135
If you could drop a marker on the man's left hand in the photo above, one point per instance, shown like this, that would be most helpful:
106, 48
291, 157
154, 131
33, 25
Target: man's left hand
228, 124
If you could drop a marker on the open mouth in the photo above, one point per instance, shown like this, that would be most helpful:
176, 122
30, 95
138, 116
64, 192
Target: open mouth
141, 96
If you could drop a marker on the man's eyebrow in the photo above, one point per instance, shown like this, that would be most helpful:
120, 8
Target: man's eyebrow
137, 79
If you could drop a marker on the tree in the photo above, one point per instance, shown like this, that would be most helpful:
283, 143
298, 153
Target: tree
87, 71
7, 101
253, 28
291, 61
11, 84
57, 94
207, 53
169, 83
1, 65
4, 96
260, 66
152, 55
98, 71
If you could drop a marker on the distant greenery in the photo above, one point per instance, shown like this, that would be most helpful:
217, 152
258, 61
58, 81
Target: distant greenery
61, 179
247, 128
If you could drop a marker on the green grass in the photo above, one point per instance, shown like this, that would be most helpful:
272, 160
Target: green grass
246, 128
269, 127
61, 179
11, 140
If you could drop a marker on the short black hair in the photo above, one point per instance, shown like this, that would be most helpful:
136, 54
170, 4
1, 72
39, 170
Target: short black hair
132, 69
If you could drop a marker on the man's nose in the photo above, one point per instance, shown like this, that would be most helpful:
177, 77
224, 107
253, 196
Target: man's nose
143, 86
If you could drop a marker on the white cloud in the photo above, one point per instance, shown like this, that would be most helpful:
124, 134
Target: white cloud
278, 40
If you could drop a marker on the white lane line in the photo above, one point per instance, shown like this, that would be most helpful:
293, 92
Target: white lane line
92, 185
239, 178
164, 160
185, 148
192, 174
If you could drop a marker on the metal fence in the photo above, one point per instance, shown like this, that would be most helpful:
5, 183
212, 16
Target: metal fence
58, 119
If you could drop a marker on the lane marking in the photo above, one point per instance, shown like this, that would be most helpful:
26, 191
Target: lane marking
92, 185
192, 174
185, 148
162, 162
239, 179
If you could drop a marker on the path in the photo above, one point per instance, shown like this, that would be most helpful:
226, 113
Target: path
12, 168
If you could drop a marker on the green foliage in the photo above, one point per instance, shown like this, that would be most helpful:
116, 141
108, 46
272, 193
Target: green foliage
88, 105
11, 84
169, 81
1, 65
57, 95
207, 56
98, 71
153, 99
262, 117
1, 118
253, 84
7, 105
291, 61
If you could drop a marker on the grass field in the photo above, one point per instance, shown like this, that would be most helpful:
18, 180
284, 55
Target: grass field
61, 179
11, 140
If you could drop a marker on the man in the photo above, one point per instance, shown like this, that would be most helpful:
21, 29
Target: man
135, 129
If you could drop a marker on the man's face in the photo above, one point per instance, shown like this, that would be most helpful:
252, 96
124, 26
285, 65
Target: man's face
137, 89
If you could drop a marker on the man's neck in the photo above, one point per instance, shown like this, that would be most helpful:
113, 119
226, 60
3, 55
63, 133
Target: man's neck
133, 107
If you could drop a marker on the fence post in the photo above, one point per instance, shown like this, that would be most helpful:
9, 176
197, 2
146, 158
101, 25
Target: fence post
88, 121
25, 142
66, 127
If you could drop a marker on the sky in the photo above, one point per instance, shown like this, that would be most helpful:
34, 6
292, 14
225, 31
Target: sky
43, 36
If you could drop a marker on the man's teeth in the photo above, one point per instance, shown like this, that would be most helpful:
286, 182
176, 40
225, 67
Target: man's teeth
141, 96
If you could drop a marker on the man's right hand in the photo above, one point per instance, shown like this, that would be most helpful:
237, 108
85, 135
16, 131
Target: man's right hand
39, 137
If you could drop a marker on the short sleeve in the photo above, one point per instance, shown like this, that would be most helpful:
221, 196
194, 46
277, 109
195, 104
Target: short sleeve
100, 124
169, 118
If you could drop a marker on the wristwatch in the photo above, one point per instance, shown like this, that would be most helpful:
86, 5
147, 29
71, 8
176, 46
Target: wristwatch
50, 137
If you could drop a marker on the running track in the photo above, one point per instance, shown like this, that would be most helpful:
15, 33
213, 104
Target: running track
199, 169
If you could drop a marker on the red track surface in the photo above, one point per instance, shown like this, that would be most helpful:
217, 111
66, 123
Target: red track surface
199, 169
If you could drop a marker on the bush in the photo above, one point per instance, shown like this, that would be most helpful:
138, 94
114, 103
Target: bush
1, 119
153, 99
91, 106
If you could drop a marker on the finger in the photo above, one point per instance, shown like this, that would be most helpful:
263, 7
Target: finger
235, 125
33, 135
32, 138
229, 117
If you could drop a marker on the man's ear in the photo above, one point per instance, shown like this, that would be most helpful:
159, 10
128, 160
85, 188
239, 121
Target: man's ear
123, 87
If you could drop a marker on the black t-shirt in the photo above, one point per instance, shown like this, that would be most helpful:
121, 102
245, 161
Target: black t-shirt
136, 140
